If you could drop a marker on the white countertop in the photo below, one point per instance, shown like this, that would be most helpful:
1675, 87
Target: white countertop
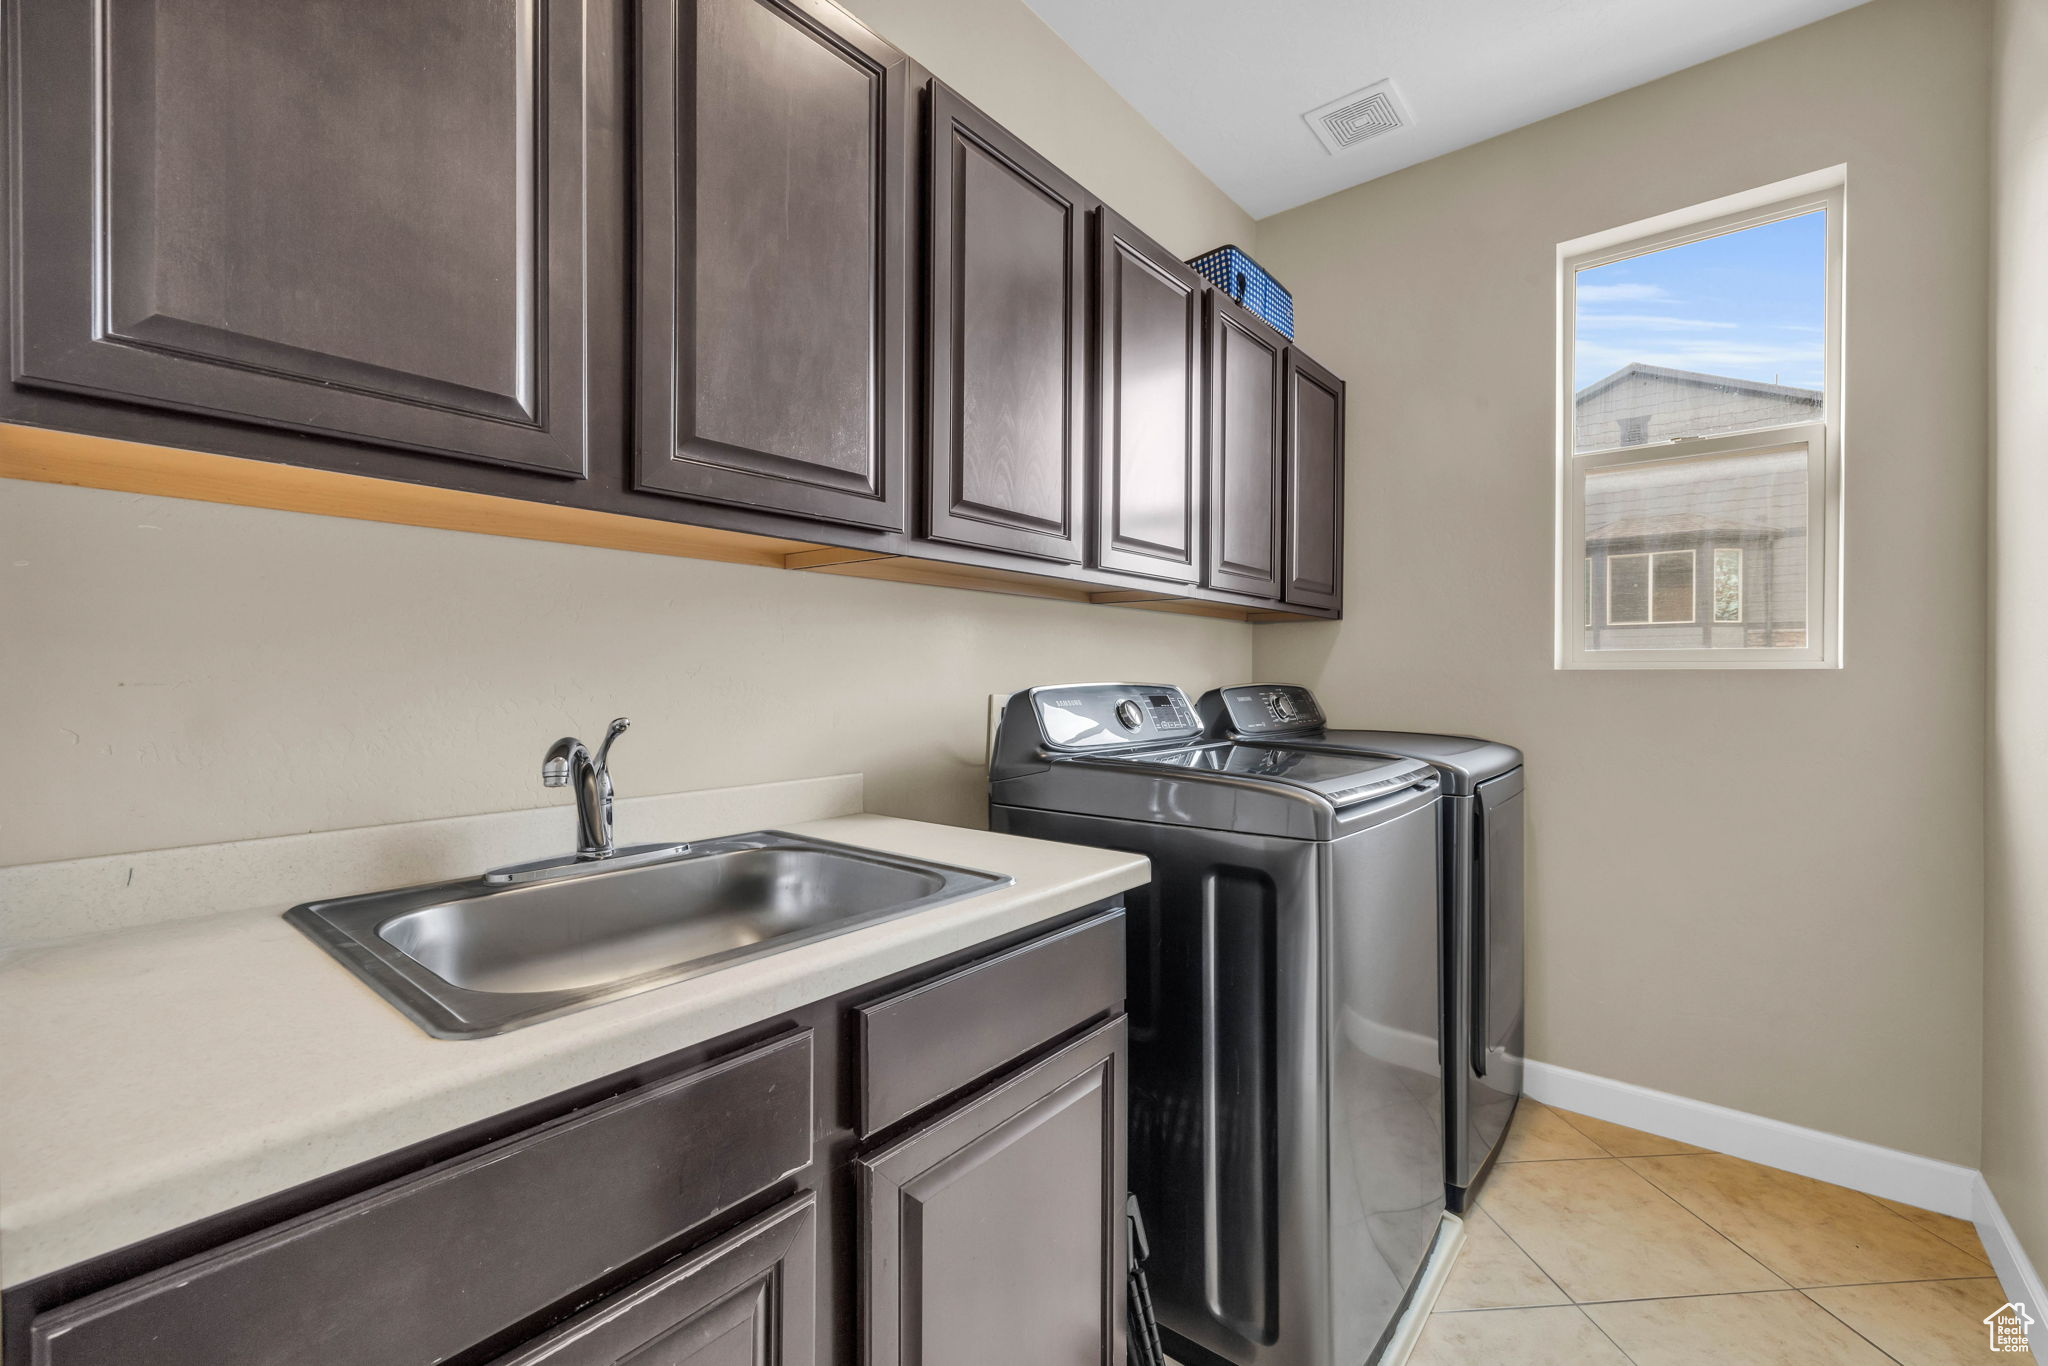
158, 1074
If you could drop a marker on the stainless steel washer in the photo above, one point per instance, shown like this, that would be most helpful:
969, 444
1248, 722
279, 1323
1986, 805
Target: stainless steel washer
1286, 1082
1482, 882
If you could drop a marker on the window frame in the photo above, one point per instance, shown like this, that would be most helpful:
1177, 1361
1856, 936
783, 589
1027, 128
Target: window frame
1741, 617
1824, 191
1692, 599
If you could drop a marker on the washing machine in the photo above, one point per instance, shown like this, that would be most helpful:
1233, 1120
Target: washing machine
1285, 1033
1482, 812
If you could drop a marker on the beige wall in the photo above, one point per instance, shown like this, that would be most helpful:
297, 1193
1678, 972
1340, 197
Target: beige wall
1002, 57
176, 672
2016, 929
1762, 890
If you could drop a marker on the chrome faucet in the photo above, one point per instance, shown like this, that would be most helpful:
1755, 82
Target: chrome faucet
571, 764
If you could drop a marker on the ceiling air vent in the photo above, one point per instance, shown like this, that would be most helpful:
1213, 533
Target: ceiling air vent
1358, 117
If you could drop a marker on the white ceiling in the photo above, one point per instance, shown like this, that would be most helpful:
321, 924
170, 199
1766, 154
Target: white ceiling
1227, 81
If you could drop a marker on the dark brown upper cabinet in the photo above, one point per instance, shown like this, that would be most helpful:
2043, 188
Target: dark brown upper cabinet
1246, 359
1148, 406
330, 216
1315, 484
775, 281
1008, 301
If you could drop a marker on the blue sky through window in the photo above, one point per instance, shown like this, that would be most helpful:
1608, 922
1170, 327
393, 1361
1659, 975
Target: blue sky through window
1751, 304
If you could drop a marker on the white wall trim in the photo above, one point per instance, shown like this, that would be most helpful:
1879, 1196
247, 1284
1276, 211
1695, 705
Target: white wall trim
1940, 1186
2015, 1270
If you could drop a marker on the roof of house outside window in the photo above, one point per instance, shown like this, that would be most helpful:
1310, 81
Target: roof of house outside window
1750, 498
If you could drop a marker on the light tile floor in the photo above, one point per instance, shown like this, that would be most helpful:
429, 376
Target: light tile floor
1595, 1245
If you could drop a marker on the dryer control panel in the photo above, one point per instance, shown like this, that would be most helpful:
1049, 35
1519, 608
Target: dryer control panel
1093, 716
1271, 709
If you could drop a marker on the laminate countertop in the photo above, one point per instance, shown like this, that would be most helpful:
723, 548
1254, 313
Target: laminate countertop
162, 1073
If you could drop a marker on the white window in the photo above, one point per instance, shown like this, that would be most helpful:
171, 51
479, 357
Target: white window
1699, 436
1727, 584
1650, 589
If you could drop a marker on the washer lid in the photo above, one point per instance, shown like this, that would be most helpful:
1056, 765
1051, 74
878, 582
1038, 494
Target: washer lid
1340, 779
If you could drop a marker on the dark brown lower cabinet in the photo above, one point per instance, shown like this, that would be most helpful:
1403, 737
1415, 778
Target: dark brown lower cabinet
702, 1209
995, 1233
750, 1299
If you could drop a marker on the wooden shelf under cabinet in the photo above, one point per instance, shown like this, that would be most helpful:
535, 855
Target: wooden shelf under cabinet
54, 457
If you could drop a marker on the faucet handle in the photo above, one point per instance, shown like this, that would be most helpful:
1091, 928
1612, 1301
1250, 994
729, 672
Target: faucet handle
618, 727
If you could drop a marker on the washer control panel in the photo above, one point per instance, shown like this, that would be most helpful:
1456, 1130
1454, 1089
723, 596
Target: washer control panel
1086, 716
1272, 709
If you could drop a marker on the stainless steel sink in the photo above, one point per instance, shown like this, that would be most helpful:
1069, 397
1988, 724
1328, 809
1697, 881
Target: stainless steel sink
470, 958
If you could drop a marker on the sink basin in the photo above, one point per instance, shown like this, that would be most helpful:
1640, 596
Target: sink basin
470, 958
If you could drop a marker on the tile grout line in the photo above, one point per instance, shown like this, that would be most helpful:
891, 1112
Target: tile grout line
1850, 1326
1548, 1279
1541, 1270
1980, 1252
1688, 1211
1758, 1259
1691, 1149
1788, 1287
1544, 1271
1602, 1331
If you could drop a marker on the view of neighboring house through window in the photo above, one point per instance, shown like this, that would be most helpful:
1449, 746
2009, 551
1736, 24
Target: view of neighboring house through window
1650, 589
1727, 585
1698, 443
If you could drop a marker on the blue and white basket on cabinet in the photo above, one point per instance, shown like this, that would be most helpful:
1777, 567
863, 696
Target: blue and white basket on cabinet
1246, 281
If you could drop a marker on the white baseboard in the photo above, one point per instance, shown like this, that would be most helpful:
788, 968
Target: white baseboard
1940, 1186
2015, 1270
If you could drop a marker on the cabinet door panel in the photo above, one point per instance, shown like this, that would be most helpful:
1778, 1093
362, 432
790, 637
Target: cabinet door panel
996, 1234
775, 279
1245, 394
1315, 484
1008, 276
354, 217
1148, 406
749, 1299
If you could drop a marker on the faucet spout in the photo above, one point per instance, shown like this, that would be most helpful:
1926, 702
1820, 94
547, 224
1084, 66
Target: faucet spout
569, 763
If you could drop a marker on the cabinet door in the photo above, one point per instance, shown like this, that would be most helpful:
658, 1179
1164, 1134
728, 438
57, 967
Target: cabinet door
1245, 362
1148, 413
750, 1299
362, 218
995, 1234
775, 269
1315, 484
1007, 381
